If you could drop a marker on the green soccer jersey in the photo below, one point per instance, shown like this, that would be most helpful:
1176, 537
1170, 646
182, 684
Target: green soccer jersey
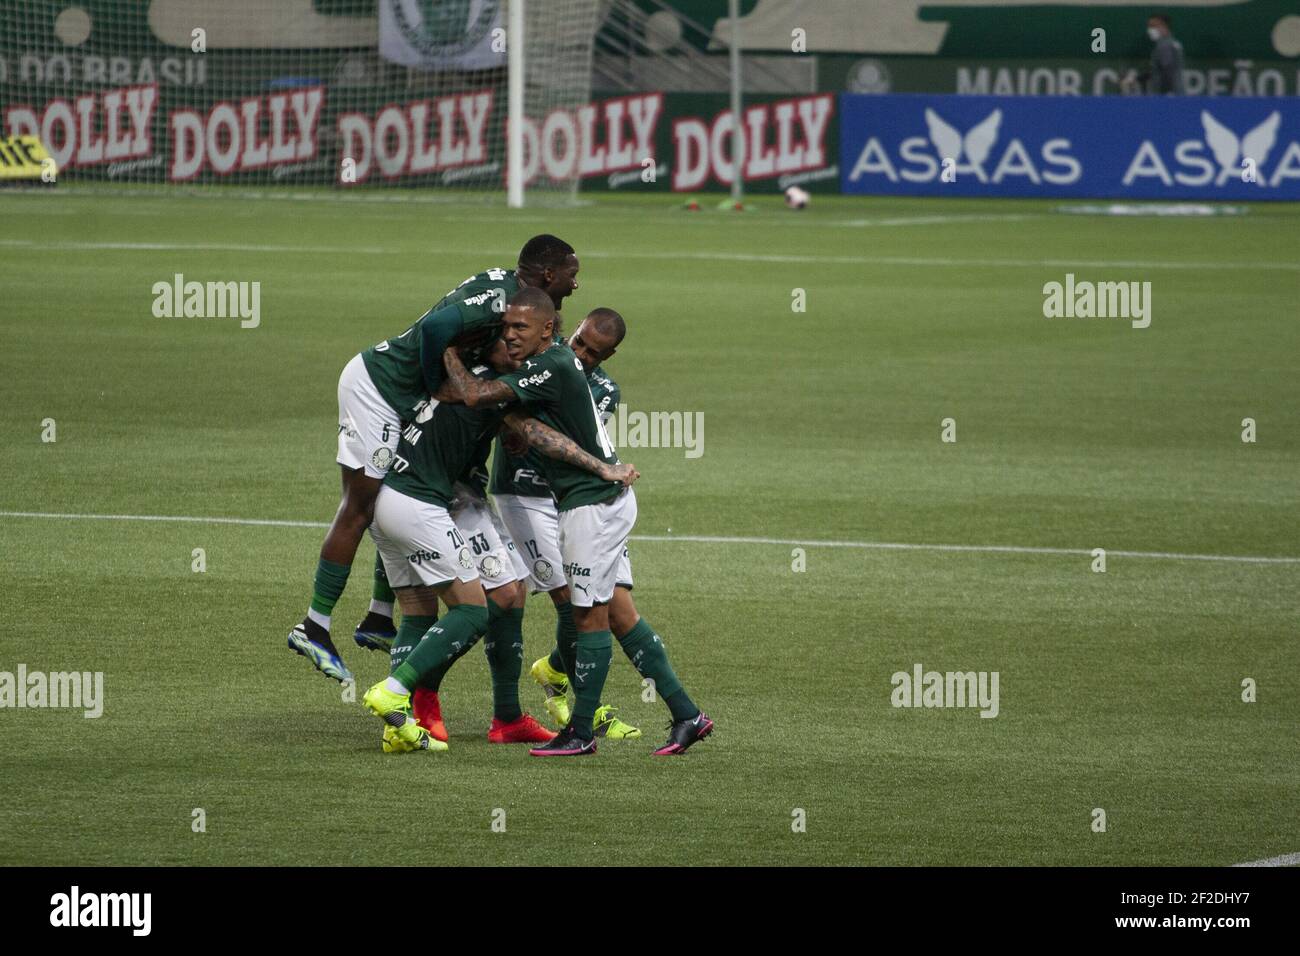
604, 392
407, 369
524, 474
553, 388
476, 475
440, 446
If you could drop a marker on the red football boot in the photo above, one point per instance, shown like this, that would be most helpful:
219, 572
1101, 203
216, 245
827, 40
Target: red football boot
525, 730
428, 713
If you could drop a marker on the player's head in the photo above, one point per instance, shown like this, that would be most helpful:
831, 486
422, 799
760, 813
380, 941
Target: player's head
529, 323
550, 264
1157, 26
597, 337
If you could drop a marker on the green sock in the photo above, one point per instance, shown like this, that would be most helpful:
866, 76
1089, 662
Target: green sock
462, 626
433, 680
331, 579
591, 667
382, 592
556, 660
409, 633
504, 646
566, 639
645, 649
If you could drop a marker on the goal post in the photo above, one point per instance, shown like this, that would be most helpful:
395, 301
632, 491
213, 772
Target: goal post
515, 112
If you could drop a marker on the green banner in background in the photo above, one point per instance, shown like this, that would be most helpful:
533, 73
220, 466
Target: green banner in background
1080, 76
996, 29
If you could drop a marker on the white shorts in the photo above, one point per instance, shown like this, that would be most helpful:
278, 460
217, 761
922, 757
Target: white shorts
493, 553
593, 542
534, 526
419, 542
368, 426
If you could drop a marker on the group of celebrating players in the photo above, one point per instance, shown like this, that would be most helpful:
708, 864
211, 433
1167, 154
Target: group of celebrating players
486, 371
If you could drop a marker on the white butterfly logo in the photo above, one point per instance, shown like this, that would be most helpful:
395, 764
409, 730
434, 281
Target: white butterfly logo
976, 144
1254, 145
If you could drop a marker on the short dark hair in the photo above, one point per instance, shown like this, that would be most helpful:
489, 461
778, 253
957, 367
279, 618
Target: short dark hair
608, 322
544, 252
530, 297
1162, 17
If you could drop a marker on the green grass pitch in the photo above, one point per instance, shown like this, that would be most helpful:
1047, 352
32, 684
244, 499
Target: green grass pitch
1119, 690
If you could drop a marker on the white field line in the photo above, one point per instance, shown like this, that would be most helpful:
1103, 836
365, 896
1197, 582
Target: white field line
930, 220
1287, 859
717, 256
722, 539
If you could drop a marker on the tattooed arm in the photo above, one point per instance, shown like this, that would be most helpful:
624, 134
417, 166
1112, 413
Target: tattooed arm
475, 391
554, 445
447, 393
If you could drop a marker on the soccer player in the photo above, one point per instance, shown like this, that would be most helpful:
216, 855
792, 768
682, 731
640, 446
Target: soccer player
427, 557
379, 391
596, 519
527, 509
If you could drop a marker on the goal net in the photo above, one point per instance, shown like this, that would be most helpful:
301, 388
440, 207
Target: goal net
331, 94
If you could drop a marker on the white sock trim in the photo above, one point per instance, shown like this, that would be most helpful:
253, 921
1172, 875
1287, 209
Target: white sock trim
395, 685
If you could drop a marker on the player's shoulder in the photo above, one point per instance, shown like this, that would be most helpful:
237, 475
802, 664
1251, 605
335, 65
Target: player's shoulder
600, 380
485, 283
558, 359
494, 274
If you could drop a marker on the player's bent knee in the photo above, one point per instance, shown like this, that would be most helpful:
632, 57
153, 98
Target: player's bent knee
623, 614
420, 600
594, 618
510, 595
464, 592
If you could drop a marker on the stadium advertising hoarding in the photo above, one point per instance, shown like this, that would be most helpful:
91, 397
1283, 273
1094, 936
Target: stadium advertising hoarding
786, 140
315, 133
679, 142
1105, 147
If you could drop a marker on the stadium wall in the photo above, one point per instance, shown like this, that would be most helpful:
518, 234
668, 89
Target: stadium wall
1008, 47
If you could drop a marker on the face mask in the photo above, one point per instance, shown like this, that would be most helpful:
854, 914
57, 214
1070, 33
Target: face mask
1153, 33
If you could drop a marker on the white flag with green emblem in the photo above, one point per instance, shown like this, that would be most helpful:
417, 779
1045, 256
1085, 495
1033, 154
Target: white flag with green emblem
443, 34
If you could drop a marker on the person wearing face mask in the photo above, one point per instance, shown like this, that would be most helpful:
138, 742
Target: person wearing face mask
1166, 75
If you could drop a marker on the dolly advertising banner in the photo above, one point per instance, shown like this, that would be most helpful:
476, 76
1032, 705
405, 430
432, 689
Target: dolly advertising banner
311, 132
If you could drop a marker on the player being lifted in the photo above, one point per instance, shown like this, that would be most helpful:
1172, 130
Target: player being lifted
527, 509
596, 519
378, 393
427, 555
